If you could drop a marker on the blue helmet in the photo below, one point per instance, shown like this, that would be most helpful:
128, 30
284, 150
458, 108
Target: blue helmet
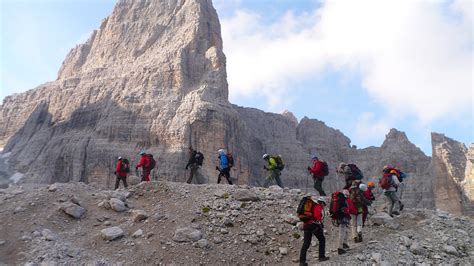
314, 157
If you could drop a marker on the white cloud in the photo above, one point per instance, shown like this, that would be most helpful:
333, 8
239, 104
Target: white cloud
368, 129
415, 54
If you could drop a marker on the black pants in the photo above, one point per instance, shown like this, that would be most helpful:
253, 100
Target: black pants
317, 231
117, 181
224, 172
318, 185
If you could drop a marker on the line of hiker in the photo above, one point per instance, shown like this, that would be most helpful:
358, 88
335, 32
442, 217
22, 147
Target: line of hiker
348, 207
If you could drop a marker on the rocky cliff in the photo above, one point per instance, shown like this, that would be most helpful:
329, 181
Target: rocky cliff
153, 77
452, 167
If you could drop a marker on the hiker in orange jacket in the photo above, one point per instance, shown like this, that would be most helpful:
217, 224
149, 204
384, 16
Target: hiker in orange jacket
314, 227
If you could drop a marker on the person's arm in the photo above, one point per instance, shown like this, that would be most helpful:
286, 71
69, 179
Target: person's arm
119, 167
142, 162
316, 168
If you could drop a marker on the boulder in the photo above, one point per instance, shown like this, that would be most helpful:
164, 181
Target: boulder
283, 251
381, 218
73, 210
291, 219
245, 195
48, 235
139, 215
187, 234
450, 250
138, 233
117, 205
53, 187
202, 243
111, 233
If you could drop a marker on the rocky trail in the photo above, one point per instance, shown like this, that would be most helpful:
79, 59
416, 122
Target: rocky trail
176, 223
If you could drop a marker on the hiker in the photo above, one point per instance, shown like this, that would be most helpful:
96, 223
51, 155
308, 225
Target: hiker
145, 164
275, 165
356, 209
368, 195
314, 226
319, 171
121, 171
389, 183
339, 211
351, 172
401, 176
223, 168
195, 161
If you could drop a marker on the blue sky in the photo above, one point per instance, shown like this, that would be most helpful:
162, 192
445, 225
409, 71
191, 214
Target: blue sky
362, 67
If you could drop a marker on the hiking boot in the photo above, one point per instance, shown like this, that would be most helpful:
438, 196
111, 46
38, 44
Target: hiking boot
341, 251
401, 207
324, 258
303, 264
395, 213
359, 237
344, 245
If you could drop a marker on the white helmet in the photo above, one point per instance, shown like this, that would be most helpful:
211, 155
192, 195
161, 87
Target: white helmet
221, 151
265, 156
323, 200
363, 187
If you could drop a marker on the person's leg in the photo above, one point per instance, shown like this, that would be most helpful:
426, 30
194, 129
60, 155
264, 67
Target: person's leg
359, 226
346, 234
308, 234
396, 203
318, 185
219, 177
388, 202
354, 226
117, 181
124, 180
319, 233
276, 176
342, 233
268, 179
191, 174
364, 214
227, 175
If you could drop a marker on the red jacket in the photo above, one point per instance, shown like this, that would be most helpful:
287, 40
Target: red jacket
352, 209
317, 168
144, 162
317, 215
118, 169
368, 195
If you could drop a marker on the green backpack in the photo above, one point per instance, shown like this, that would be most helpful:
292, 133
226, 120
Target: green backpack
279, 161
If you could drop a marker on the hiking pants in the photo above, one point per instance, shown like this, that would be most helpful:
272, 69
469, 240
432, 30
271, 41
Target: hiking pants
356, 224
317, 231
393, 201
343, 232
318, 185
274, 175
226, 173
145, 174
193, 171
365, 212
117, 181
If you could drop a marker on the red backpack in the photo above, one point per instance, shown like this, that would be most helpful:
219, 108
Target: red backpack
386, 181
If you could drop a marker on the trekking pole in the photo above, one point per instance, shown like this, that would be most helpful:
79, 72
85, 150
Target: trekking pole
306, 188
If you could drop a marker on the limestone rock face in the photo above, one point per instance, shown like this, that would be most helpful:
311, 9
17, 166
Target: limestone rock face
151, 77
468, 183
453, 184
